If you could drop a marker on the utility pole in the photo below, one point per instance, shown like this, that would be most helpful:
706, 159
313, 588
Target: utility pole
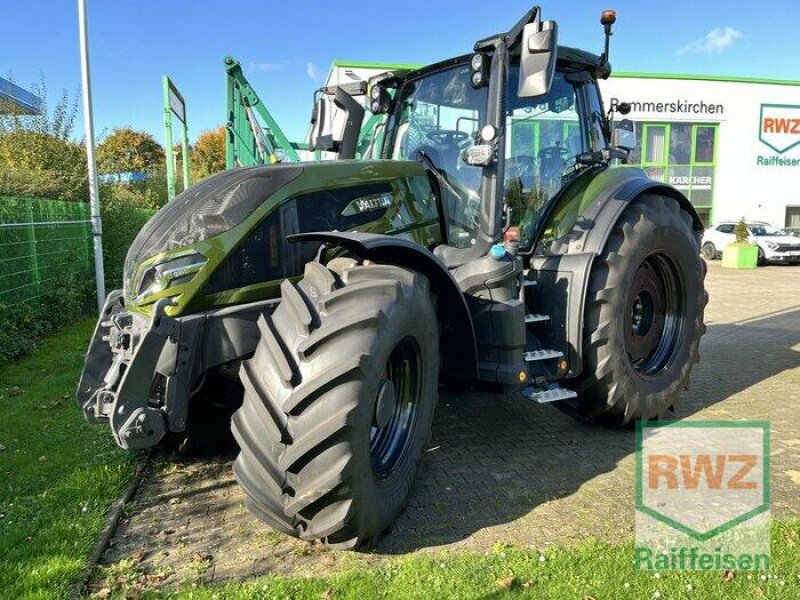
88, 128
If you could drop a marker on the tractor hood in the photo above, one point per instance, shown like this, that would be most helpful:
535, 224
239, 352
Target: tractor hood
223, 241
212, 207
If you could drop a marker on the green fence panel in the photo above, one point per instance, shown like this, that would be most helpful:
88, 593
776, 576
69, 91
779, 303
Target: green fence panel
40, 241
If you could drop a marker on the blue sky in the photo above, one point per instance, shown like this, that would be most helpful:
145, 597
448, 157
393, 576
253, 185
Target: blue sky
287, 47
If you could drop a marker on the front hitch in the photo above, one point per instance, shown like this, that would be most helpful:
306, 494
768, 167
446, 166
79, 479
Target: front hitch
137, 373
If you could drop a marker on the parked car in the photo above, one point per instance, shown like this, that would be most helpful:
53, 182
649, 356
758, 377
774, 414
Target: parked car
774, 245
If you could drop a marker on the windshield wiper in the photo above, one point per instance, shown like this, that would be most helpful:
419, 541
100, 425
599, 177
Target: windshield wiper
427, 161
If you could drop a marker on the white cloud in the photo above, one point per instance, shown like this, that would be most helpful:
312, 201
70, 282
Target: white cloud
714, 42
266, 66
312, 71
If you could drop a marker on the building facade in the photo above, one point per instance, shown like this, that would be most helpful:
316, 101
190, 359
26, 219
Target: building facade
731, 145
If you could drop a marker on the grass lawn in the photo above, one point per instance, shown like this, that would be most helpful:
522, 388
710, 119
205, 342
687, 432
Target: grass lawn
58, 475
591, 571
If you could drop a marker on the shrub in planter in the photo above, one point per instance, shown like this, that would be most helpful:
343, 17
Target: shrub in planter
740, 254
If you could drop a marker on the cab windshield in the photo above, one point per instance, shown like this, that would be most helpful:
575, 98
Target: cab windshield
441, 114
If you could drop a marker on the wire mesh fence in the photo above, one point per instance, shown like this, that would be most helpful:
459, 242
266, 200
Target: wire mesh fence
40, 241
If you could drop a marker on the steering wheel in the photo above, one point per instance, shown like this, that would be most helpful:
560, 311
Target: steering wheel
449, 137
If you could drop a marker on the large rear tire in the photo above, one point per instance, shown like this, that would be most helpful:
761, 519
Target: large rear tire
338, 402
644, 315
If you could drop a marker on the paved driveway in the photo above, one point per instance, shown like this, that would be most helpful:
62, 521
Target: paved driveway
502, 469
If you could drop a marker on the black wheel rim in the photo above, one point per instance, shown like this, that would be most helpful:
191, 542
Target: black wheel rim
389, 439
656, 313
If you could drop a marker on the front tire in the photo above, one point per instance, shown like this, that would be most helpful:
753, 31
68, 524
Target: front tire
762, 258
644, 315
338, 403
709, 251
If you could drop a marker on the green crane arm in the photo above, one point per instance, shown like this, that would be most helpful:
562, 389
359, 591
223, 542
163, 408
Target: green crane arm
247, 144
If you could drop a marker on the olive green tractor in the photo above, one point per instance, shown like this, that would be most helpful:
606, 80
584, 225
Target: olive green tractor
498, 243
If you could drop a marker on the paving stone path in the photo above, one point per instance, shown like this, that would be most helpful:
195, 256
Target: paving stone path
498, 469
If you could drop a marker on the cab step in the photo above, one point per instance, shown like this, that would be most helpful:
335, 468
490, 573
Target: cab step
536, 318
537, 355
550, 393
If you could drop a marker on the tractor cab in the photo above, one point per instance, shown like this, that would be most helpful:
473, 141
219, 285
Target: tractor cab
543, 141
501, 131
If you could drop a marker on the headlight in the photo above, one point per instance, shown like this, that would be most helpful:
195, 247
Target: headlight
173, 272
772, 245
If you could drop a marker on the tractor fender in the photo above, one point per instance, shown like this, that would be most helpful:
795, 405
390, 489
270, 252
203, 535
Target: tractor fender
458, 342
564, 273
592, 230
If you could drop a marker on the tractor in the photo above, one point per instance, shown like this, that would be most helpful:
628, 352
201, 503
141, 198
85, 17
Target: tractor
319, 307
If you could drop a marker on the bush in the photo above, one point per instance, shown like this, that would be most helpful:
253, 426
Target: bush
39, 165
24, 326
742, 235
123, 216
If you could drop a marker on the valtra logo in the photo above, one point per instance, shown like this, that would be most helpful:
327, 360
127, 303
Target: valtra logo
779, 126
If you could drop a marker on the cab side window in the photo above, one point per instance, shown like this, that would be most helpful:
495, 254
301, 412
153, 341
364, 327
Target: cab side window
597, 119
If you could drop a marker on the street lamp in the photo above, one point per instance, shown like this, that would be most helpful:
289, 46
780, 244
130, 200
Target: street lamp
88, 127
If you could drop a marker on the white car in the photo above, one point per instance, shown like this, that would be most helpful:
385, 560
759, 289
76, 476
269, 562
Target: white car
773, 244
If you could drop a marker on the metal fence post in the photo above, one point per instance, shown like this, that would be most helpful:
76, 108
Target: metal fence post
35, 276
88, 125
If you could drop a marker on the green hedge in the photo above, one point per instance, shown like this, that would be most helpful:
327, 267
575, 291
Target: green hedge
121, 223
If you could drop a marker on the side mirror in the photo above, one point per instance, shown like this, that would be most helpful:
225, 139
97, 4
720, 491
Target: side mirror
624, 135
318, 117
538, 58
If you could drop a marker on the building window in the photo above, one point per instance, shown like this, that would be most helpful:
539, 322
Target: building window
793, 217
680, 144
656, 138
705, 140
683, 155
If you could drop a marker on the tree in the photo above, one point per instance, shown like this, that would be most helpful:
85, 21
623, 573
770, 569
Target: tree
127, 150
208, 153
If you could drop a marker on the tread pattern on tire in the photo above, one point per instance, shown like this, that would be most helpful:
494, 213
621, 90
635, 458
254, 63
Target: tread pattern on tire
295, 460
605, 396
